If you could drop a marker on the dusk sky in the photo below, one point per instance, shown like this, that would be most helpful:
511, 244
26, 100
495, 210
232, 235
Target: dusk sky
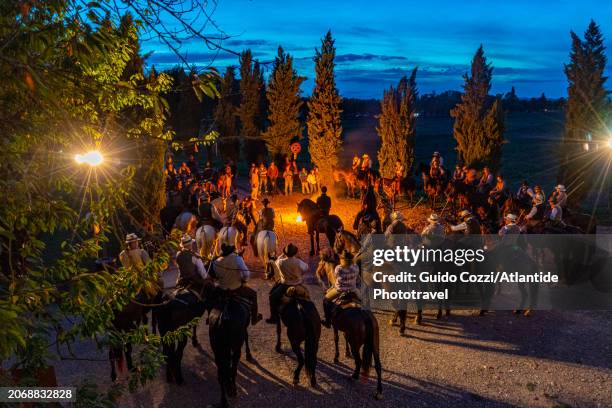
379, 41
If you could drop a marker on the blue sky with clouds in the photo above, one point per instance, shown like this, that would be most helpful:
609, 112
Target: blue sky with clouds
379, 41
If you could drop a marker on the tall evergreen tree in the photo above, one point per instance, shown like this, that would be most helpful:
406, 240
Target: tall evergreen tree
284, 102
587, 112
250, 109
225, 118
396, 126
479, 123
324, 125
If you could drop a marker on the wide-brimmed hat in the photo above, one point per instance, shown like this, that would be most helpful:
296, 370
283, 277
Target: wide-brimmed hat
436, 154
433, 218
186, 241
465, 213
131, 238
290, 250
561, 187
396, 215
227, 249
511, 217
346, 256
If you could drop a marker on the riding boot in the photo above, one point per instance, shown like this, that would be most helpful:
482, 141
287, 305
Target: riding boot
327, 306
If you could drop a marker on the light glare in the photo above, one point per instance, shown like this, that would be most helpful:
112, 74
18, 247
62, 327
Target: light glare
92, 158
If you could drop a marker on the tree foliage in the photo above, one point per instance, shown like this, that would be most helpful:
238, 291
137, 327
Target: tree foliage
324, 124
586, 116
73, 82
397, 126
225, 118
284, 102
479, 122
251, 110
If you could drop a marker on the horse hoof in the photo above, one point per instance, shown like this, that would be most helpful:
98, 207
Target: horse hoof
378, 396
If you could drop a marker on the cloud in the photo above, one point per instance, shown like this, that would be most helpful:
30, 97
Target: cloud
246, 43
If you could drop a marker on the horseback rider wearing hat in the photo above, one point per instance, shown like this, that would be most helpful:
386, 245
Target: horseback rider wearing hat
134, 256
209, 215
291, 270
470, 224
538, 200
560, 196
231, 274
397, 225
356, 164
368, 212
510, 225
346, 274
324, 202
191, 267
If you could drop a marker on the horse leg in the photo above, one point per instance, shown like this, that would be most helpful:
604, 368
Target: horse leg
401, 314
112, 359
178, 357
317, 236
154, 321
168, 353
378, 368
312, 244
419, 316
337, 352
278, 337
347, 351
295, 346
355, 351
247, 348
194, 338
128, 356
235, 360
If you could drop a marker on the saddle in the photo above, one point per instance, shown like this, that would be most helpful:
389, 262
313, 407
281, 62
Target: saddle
219, 311
297, 292
348, 300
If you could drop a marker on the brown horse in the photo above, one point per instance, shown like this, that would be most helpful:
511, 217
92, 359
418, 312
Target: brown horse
318, 223
349, 178
348, 241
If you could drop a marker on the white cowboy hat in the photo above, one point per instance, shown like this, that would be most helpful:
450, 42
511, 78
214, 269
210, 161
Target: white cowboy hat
437, 154
131, 238
465, 213
186, 241
434, 218
561, 187
511, 217
396, 215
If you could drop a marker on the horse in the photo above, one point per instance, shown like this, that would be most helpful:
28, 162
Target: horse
346, 240
127, 319
317, 223
228, 322
264, 246
434, 188
186, 222
180, 311
205, 238
230, 235
512, 205
349, 178
360, 329
303, 323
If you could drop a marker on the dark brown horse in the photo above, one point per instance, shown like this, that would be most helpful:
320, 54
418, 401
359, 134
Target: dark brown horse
349, 178
318, 223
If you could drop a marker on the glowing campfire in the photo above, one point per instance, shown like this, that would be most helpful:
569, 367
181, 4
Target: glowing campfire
298, 218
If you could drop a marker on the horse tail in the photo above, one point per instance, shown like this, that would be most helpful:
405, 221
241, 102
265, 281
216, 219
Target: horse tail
371, 342
311, 343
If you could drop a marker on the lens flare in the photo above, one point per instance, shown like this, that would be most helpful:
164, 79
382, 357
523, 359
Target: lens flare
91, 158
610, 143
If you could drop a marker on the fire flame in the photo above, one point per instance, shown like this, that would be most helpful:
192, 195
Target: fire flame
298, 218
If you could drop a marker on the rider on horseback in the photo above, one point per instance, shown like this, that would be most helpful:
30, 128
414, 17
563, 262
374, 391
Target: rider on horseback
191, 267
231, 274
470, 224
324, 202
397, 225
434, 229
560, 196
537, 211
346, 275
555, 216
208, 212
510, 226
368, 211
291, 271
356, 164
133, 256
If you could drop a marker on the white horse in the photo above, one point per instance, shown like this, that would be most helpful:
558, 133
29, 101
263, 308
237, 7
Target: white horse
205, 238
265, 243
186, 222
229, 235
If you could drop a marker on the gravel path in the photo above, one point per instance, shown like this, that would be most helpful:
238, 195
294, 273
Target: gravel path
551, 359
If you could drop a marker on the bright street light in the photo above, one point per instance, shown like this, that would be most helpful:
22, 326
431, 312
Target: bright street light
92, 158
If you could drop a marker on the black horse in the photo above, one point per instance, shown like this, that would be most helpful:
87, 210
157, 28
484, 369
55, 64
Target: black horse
228, 322
318, 223
180, 311
128, 319
303, 324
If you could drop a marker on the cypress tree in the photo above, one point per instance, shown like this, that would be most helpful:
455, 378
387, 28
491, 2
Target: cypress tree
587, 112
396, 126
284, 103
250, 109
225, 116
324, 125
479, 123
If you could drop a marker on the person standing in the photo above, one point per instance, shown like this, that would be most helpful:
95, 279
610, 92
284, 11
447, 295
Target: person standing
312, 182
288, 177
304, 181
263, 178
254, 179
272, 176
